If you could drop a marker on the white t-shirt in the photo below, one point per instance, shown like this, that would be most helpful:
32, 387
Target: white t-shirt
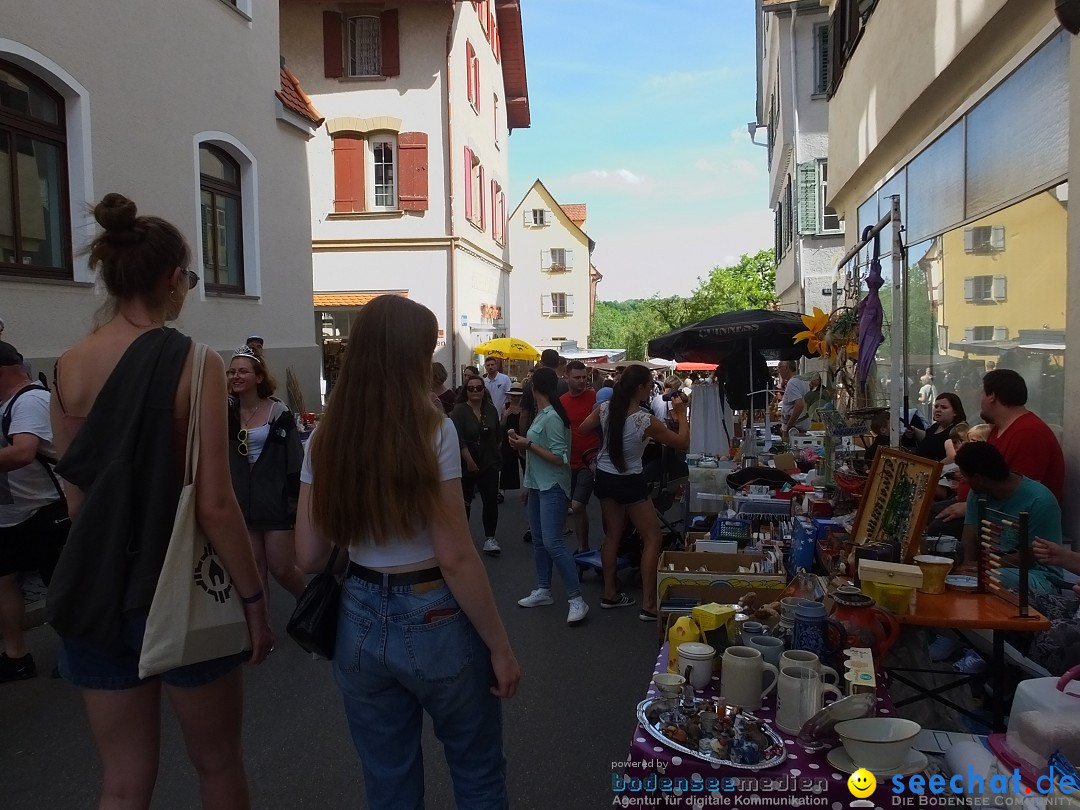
404, 550
498, 388
25, 490
634, 441
257, 437
794, 391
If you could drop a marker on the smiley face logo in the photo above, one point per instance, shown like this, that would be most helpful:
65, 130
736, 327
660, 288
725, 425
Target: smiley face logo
862, 783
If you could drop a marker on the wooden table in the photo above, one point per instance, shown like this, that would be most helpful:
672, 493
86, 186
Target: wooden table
959, 611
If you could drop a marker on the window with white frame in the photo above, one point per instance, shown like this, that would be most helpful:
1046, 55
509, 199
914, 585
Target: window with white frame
384, 176
984, 239
538, 217
364, 52
558, 259
558, 303
222, 221
983, 289
829, 220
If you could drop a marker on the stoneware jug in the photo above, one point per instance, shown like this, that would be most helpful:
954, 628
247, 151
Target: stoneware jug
865, 624
815, 632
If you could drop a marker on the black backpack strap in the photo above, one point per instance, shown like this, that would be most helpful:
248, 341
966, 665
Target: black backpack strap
5, 426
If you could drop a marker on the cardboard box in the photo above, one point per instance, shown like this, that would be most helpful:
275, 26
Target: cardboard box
890, 573
715, 571
695, 595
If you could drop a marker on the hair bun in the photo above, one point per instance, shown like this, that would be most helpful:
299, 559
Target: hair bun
116, 212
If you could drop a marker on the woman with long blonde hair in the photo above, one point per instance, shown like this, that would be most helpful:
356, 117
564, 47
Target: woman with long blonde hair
418, 629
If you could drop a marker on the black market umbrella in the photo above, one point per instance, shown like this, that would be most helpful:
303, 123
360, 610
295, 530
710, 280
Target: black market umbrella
715, 338
740, 343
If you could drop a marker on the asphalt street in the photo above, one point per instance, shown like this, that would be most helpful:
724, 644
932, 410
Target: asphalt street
569, 722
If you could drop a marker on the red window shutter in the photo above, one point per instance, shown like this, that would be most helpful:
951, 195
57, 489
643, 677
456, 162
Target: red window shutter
348, 173
388, 43
468, 183
470, 57
333, 45
476, 82
413, 171
481, 184
494, 221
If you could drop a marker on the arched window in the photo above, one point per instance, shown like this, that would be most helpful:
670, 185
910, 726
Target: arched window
34, 228
222, 220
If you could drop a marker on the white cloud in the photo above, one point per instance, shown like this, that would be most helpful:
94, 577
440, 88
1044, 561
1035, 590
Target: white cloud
639, 261
686, 79
600, 179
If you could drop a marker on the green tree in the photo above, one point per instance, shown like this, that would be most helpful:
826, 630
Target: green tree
748, 284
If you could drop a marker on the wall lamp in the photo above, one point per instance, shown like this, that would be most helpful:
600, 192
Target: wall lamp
1068, 14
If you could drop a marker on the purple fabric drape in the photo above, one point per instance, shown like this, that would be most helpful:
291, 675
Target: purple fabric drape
870, 315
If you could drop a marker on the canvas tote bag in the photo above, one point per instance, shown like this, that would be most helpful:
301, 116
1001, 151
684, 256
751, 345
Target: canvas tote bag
196, 614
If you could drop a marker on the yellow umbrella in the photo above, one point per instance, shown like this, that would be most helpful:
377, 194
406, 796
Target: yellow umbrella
508, 349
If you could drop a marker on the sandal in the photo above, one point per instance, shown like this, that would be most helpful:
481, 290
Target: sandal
622, 600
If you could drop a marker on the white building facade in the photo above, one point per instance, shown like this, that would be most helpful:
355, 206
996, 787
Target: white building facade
198, 123
409, 171
553, 281
793, 83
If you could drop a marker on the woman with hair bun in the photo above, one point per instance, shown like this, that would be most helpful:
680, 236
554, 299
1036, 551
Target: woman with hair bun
265, 454
120, 411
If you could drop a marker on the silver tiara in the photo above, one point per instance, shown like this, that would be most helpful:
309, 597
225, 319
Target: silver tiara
245, 351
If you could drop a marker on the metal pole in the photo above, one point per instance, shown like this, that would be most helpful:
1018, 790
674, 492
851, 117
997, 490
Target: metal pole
898, 331
885, 220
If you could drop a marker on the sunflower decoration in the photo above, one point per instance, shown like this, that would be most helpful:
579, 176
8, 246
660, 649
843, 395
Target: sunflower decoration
815, 334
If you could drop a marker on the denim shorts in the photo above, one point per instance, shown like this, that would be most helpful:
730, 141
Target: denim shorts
91, 664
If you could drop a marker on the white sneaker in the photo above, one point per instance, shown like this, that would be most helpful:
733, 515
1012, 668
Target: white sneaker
491, 546
540, 596
579, 609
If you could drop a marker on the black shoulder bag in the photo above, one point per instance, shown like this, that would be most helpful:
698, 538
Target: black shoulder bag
313, 624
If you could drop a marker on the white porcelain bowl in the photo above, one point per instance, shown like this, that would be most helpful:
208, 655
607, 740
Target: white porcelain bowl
668, 682
877, 743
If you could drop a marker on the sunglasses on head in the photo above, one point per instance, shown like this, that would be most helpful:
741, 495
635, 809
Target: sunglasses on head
242, 437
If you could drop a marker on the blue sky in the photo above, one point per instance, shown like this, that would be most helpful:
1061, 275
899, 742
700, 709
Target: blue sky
639, 110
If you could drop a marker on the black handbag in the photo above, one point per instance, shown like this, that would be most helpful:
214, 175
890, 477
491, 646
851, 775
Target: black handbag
313, 624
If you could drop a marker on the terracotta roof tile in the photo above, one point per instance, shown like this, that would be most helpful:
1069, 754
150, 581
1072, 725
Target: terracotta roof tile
352, 299
576, 213
295, 100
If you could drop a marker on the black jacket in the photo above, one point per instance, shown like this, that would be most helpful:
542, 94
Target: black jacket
268, 489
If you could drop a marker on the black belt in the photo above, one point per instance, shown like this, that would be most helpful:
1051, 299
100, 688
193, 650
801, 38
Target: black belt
399, 578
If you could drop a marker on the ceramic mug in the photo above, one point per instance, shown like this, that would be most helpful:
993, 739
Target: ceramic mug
696, 660
750, 629
769, 647
800, 694
803, 658
740, 677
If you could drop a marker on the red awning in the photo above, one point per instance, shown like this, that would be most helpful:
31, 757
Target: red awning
695, 366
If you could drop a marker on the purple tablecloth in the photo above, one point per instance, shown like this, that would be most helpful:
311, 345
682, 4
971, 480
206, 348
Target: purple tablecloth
805, 780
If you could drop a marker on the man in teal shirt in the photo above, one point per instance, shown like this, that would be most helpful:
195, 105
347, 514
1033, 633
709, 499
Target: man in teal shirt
1005, 491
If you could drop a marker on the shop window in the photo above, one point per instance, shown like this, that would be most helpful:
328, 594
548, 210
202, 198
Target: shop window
360, 46
34, 237
222, 220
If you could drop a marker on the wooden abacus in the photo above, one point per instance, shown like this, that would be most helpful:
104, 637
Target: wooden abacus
997, 532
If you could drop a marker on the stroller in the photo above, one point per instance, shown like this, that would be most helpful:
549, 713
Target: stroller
665, 471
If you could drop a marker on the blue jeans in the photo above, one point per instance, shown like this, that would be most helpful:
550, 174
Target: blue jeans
547, 515
398, 655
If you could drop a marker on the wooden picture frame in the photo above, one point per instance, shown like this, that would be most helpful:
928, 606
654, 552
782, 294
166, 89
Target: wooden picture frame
896, 501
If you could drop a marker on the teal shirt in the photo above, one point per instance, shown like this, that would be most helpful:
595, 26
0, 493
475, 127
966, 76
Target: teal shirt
1044, 521
548, 430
